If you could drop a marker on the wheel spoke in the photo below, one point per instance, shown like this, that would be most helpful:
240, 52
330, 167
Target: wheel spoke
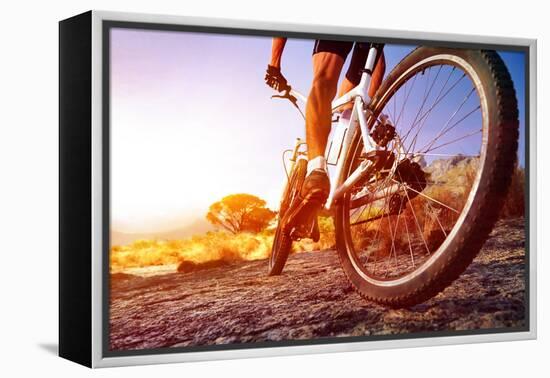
431, 199
386, 205
439, 155
393, 248
416, 221
449, 129
428, 112
443, 128
454, 140
405, 101
426, 95
413, 143
409, 241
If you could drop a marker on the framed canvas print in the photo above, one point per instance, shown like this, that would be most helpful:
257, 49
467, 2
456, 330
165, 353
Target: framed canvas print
232, 189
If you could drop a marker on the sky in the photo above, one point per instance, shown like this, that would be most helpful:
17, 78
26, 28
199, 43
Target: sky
192, 121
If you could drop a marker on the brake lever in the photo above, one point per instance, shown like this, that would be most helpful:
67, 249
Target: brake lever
290, 98
287, 96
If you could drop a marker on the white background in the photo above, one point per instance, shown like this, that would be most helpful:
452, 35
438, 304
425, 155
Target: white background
29, 189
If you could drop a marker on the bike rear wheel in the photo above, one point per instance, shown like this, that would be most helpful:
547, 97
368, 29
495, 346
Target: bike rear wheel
411, 230
282, 242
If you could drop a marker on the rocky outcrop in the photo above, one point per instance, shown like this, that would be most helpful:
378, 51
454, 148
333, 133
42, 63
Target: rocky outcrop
440, 169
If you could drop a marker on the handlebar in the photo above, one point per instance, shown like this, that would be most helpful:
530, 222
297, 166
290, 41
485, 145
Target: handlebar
292, 96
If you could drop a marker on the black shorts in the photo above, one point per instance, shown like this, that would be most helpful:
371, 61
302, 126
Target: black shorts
358, 57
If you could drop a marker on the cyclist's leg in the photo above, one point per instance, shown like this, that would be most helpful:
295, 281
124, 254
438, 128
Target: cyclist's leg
326, 70
377, 74
328, 60
353, 74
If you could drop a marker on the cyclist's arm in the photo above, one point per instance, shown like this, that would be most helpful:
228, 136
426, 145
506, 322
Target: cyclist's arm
277, 47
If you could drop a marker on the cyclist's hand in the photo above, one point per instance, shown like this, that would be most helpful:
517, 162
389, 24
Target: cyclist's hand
275, 79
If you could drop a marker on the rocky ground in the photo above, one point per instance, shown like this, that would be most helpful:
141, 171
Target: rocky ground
239, 303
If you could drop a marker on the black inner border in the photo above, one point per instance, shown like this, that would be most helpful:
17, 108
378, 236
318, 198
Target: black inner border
107, 25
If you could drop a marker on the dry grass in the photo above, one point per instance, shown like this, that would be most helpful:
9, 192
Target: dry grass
212, 246
220, 246
514, 205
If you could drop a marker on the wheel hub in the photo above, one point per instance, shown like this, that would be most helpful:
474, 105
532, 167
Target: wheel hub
410, 173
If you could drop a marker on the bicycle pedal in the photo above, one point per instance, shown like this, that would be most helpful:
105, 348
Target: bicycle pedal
305, 231
298, 234
303, 225
302, 221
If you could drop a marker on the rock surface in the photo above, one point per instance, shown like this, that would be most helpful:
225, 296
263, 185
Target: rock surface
239, 303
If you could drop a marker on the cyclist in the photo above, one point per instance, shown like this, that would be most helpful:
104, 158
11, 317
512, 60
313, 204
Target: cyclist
328, 60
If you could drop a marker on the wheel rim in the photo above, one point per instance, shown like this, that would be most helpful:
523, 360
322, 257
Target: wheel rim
289, 197
389, 249
275, 248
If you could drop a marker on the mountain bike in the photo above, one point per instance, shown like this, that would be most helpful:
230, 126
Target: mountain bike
418, 173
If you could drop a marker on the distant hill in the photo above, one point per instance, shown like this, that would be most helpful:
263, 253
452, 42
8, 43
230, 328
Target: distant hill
199, 226
441, 170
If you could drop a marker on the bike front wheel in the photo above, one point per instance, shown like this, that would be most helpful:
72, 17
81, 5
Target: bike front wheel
414, 227
282, 242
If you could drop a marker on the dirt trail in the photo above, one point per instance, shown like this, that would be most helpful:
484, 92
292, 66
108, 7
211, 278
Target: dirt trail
239, 303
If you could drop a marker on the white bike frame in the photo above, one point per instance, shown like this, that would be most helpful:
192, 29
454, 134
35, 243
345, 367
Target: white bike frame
358, 118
